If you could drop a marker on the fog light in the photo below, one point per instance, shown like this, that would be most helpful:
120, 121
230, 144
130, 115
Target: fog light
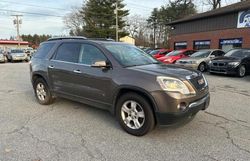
182, 106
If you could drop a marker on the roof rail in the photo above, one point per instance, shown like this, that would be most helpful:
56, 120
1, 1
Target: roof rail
101, 39
67, 37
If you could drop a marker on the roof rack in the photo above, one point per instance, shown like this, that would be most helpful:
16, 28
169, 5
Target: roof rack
68, 37
101, 39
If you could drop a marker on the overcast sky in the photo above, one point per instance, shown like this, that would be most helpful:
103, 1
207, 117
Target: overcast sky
53, 25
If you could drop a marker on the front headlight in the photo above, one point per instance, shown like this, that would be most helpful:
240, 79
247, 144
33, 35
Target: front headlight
173, 85
233, 63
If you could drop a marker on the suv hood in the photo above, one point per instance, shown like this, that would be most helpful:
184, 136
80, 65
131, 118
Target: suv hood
167, 70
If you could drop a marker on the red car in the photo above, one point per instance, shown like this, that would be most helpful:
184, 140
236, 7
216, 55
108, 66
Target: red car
175, 55
159, 53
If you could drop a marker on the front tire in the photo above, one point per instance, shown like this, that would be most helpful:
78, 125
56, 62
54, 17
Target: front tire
42, 92
135, 114
241, 71
202, 67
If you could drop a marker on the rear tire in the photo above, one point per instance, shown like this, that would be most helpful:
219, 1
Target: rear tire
135, 114
241, 71
42, 92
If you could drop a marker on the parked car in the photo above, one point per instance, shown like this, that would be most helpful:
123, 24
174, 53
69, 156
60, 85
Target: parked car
148, 50
175, 55
140, 91
17, 55
235, 62
2, 57
159, 53
200, 59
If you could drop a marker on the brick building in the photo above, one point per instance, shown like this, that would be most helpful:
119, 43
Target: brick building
224, 28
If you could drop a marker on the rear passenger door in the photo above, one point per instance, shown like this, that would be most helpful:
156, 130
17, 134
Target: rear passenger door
62, 65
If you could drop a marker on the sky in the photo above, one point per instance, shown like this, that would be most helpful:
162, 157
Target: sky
52, 11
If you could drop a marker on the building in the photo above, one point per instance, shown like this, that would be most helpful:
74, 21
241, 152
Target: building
10, 44
128, 39
225, 28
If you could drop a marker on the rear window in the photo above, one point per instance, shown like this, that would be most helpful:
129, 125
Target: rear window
43, 50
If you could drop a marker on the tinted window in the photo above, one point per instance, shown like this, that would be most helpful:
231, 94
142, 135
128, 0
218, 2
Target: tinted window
68, 52
90, 54
241, 53
129, 55
154, 52
174, 53
43, 50
201, 54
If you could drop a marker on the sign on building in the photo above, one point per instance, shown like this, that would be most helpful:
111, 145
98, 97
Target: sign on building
243, 19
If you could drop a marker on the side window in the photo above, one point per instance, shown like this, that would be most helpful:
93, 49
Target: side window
214, 53
43, 50
188, 53
90, 54
68, 52
221, 53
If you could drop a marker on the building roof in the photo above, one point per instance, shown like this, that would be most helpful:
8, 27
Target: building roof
223, 10
14, 42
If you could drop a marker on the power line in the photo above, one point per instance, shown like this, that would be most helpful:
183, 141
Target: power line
32, 5
32, 13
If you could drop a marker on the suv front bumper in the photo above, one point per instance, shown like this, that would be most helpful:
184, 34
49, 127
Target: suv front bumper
175, 117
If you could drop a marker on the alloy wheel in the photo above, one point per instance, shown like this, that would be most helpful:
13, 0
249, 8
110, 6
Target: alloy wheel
242, 71
40, 91
132, 114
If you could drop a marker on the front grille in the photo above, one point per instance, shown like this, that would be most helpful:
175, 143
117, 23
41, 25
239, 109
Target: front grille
219, 64
195, 82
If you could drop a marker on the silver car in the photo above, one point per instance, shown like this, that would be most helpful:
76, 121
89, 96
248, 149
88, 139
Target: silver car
200, 59
2, 57
17, 55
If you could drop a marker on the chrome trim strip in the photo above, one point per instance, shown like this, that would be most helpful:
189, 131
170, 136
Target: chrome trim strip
197, 103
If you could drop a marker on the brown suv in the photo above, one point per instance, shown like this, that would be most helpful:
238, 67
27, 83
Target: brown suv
118, 77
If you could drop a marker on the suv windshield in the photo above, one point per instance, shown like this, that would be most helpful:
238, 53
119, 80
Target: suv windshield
201, 54
240, 53
129, 55
174, 53
16, 51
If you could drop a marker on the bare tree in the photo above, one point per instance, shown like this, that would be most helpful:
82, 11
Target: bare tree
214, 3
74, 21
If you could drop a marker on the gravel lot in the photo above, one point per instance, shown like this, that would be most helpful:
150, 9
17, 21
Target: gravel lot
71, 131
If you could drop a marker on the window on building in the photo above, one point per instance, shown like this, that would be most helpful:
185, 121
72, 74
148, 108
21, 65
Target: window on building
228, 44
180, 45
202, 44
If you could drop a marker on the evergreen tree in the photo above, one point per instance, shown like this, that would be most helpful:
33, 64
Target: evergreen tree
99, 19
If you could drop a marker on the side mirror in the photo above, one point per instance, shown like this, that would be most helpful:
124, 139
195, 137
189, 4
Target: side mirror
212, 56
100, 64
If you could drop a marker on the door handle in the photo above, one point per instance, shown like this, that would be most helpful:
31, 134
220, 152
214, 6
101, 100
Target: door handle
77, 71
51, 66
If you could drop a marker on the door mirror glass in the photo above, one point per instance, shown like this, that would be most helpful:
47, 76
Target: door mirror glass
100, 64
212, 56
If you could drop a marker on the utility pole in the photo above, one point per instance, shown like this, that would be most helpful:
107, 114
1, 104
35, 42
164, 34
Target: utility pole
116, 24
17, 22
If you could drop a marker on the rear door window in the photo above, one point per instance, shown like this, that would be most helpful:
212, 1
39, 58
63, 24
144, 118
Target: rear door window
43, 50
68, 52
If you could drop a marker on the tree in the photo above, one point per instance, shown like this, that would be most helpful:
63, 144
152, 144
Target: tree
214, 3
35, 39
96, 18
160, 17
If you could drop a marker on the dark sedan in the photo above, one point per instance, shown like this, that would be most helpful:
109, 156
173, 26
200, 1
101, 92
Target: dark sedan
235, 62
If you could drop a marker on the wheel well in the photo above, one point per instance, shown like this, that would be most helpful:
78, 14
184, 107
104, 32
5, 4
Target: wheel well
127, 90
35, 77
